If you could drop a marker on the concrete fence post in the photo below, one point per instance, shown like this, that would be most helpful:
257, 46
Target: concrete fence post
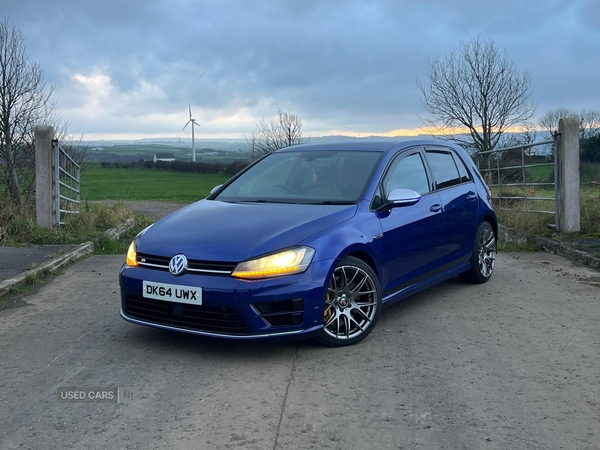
569, 220
44, 177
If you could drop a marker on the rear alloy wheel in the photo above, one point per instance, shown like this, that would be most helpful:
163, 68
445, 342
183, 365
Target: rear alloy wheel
483, 258
352, 304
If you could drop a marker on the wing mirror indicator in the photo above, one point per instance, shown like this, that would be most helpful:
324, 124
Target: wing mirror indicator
403, 197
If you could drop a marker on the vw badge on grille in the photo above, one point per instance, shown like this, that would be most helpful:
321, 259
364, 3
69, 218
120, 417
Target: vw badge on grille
178, 264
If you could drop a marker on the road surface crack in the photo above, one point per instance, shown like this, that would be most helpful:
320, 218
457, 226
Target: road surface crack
285, 397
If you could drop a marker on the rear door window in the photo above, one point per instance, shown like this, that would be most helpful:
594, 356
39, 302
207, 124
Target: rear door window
444, 168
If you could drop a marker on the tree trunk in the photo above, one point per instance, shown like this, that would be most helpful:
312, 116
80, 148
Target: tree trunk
15, 189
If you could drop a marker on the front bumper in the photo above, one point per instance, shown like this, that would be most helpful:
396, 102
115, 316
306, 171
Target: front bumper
279, 308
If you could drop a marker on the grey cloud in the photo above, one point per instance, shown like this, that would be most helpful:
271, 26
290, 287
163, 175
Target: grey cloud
340, 64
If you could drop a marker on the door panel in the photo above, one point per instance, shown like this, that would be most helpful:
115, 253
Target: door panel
460, 215
412, 235
458, 194
411, 243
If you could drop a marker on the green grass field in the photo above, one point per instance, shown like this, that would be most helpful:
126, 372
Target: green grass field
540, 174
99, 183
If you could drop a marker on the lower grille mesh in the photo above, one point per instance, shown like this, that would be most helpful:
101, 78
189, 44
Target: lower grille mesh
213, 319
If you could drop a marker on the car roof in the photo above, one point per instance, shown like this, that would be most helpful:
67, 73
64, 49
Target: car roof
369, 145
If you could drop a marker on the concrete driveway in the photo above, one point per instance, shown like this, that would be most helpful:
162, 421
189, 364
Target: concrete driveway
512, 364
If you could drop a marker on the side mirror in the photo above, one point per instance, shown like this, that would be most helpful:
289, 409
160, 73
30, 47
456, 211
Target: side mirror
215, 189
402, 197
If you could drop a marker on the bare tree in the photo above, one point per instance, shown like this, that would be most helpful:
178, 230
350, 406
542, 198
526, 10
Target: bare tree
25, 101
549, 121
75, 147
274, 133
78, 150
476, 95
526, 136
589, 122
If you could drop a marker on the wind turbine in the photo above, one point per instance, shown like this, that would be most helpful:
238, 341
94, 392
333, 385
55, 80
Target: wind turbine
193, 122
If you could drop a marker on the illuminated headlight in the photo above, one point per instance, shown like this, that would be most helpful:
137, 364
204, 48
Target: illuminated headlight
132, 255
287, 262
132, 251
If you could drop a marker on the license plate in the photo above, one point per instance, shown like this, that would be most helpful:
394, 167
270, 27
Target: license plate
173, 293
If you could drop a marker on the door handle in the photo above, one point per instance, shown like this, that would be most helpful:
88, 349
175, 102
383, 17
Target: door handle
471, 195
435, 208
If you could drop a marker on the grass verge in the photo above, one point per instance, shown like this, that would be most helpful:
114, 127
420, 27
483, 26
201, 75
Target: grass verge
144, 184
105, 246
18, 225
504, 246
537, 223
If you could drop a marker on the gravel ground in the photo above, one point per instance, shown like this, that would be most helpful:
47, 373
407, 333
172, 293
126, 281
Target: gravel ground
511, 364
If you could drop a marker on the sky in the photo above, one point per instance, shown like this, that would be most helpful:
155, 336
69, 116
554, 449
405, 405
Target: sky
125, 69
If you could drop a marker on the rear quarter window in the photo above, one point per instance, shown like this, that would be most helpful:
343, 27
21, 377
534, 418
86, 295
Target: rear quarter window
465, 176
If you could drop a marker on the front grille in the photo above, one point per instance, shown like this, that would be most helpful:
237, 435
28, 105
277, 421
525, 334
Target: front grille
282, 313
194, 265
213, 319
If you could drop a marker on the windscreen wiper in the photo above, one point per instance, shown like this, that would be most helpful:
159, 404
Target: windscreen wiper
262, 200
335, 202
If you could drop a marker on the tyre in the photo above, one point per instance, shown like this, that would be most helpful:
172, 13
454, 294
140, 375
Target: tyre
483, 258
352, 304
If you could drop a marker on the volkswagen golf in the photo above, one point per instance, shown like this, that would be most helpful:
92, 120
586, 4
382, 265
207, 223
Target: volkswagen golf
312, 241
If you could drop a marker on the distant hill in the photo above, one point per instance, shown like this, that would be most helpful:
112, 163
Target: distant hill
212, 149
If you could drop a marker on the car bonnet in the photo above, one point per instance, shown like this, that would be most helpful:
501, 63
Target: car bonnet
219, 231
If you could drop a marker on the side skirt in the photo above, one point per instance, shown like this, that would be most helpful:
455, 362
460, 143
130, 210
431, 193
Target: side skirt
422, 285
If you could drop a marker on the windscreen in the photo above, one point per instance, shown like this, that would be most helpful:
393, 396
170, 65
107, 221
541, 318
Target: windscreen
312, 177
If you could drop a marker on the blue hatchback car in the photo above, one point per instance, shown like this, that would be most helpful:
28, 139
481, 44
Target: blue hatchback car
313, 241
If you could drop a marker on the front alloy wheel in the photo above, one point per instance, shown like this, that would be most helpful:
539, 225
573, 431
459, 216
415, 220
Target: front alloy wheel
352, 304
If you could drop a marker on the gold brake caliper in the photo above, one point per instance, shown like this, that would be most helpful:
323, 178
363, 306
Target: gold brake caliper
328, 309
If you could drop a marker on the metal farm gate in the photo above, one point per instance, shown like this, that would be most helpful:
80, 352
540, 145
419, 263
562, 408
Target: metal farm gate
67, 184
522, 179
